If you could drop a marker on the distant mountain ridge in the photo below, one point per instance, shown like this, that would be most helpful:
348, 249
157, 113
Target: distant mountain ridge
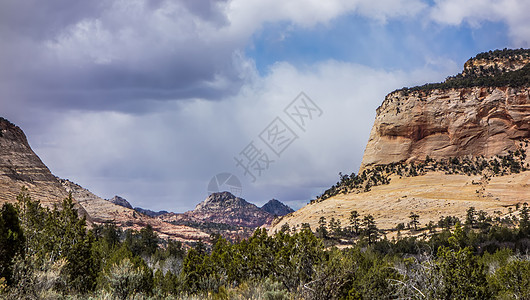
225, 208
21, 167
276, 208
149, 212
104, 211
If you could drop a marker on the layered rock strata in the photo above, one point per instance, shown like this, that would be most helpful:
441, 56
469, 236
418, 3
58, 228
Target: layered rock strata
410, 126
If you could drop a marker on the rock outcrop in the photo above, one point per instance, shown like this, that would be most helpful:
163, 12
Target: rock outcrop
120, 201
447, 122
490, 63
21, 167
226, 208
223, 208
276, 208
477, 115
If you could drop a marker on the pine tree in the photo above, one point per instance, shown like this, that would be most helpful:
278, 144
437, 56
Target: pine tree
524, 219
11, 240
414, 220
370, 231
73, 242
471, 217
355, 221
322, 230
462, 276
33, 222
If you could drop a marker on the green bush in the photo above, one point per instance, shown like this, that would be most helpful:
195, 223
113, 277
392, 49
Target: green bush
512, 280
124, 279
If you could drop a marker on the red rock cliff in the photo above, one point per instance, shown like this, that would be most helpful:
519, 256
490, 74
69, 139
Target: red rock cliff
449, 122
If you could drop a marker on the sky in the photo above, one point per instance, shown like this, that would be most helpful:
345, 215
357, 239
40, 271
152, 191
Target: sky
152, 99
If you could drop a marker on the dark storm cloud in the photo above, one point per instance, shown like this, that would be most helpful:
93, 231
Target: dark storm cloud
117, 94
102, 55
116, 86
207, 9
40, 20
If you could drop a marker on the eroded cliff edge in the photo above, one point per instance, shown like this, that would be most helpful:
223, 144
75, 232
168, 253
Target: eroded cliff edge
455, 118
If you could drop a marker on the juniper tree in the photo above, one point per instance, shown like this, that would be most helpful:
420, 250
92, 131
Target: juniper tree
322, 230
471, 217
369, 230
524, 219
11, 240
355, 221
414, 220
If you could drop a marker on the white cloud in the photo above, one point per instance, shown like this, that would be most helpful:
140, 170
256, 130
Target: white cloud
134, 32
171, 48
514, 13
116, 93
246, 16
164, 159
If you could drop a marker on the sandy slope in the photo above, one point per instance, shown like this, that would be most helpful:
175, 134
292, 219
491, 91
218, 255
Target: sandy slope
431, 196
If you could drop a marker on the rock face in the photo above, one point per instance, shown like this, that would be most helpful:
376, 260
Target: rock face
443, 123
223, 208
226, 208
120, 201
487, 62
484, 111
276, 208
20, 166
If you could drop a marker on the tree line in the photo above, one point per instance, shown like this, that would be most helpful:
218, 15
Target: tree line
494, 76
51, 254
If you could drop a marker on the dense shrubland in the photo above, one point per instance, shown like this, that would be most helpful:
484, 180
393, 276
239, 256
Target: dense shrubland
49, 253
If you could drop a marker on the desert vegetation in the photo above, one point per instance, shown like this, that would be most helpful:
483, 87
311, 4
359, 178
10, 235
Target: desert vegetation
51, 254
492, 76
500, 165
504, 53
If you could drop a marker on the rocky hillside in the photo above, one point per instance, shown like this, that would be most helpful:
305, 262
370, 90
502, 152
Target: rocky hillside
20, 166
103, 211
488, 116
439, 149
276, 208
224, 208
